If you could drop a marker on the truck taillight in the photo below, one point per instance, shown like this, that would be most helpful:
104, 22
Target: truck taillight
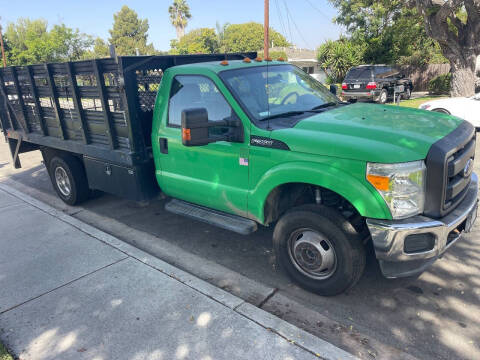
372, 85
344, 86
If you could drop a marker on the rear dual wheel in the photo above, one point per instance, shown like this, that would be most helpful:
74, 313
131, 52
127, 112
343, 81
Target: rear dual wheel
319, 249
69, 179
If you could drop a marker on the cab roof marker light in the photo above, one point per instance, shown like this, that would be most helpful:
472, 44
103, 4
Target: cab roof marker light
268, 59
258, 59
224, 63
247, 60
280, 59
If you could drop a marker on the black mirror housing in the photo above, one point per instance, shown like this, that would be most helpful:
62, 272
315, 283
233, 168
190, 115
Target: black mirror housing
333, 89
195, 127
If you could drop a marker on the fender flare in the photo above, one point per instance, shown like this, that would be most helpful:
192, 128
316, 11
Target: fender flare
366, 200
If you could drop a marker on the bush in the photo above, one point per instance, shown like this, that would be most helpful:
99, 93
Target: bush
440, 84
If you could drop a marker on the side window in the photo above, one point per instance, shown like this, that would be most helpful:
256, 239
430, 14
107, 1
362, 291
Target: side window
190, 91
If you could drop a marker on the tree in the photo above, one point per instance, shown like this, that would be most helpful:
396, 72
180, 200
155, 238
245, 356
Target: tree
179, 14
30, 42
221, 36
391, 31
249, 37
129, 33
337, 57
197, 41
455, 24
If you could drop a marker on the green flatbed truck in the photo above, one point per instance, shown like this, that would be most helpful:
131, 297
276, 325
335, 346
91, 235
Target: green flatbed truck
239, 143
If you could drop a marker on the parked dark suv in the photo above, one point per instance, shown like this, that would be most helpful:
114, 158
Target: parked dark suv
374, 82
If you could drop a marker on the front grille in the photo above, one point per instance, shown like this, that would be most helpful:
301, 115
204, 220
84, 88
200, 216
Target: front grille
446, 162
457, 180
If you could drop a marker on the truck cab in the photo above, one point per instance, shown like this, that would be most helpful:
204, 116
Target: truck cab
264, 141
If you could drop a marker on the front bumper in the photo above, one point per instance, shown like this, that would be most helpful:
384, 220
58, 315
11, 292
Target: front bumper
389, 236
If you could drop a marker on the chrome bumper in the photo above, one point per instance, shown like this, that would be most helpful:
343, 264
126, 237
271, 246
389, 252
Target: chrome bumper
389, 236
372, 95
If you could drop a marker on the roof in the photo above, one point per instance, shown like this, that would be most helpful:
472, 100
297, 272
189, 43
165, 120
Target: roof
216, 66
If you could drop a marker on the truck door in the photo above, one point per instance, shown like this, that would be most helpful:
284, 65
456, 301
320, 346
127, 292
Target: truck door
214, 175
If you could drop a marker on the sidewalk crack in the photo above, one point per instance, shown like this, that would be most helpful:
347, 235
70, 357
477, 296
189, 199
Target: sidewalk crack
63, 285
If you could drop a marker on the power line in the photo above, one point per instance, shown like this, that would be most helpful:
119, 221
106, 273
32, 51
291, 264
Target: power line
288, 21
317, 9
280, 18
295, 24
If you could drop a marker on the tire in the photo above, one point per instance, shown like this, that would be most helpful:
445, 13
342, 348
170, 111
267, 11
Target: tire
443, 111
407, 94
383, 97
335, 233
69, 179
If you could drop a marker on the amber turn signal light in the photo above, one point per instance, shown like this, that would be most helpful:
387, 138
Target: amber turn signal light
379, 182
186, 135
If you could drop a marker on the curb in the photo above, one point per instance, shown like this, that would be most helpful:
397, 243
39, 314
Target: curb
293, 334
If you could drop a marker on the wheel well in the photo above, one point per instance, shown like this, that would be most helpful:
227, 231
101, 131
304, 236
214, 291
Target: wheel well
442, 110
287, 196
49, 153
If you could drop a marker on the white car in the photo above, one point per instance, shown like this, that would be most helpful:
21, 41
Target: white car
465, 108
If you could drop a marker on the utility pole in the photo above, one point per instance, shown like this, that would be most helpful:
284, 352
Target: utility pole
3, 50
266, 42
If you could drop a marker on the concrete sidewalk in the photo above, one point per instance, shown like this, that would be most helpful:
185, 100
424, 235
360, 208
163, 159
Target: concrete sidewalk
71, 291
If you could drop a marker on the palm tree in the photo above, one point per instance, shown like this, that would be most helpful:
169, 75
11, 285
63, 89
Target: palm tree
179, 15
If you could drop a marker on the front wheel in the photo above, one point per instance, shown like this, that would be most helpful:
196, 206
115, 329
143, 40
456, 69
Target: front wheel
319, 249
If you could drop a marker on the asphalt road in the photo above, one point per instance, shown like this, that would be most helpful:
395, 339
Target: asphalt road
435, 316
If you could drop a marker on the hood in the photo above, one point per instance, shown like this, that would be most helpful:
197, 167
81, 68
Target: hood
369, 132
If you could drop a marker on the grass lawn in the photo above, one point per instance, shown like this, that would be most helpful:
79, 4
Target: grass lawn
415, 103
4, 355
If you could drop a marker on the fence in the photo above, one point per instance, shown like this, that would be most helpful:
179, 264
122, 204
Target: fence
421, 76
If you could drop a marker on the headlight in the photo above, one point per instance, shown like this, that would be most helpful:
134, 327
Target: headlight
401, 185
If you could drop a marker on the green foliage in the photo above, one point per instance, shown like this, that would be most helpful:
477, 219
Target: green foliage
249, 37
197, 41
179, 14
227, 38
390, 31
440, 85
274, 54
338, 57
30, 42
129, 33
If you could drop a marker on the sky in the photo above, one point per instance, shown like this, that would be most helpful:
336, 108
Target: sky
309, 21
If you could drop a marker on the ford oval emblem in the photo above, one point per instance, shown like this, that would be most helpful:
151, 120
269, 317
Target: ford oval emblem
467, 170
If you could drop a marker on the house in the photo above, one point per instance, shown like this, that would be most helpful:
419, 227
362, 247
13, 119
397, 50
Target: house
305, 59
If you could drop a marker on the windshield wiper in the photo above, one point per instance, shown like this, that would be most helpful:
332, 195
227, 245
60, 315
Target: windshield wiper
323, 106
285, 114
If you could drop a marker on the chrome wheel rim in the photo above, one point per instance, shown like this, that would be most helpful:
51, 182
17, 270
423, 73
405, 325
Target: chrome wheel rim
62, 181
312, 254
383, 97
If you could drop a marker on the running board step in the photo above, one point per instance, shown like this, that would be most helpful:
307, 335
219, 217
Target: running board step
220, 219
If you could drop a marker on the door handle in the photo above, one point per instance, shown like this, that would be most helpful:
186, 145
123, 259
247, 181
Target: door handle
163, 145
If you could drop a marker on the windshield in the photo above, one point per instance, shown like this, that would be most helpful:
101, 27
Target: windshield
267, 91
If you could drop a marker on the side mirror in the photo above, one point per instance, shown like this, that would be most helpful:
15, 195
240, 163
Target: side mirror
333, 89
195, 128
